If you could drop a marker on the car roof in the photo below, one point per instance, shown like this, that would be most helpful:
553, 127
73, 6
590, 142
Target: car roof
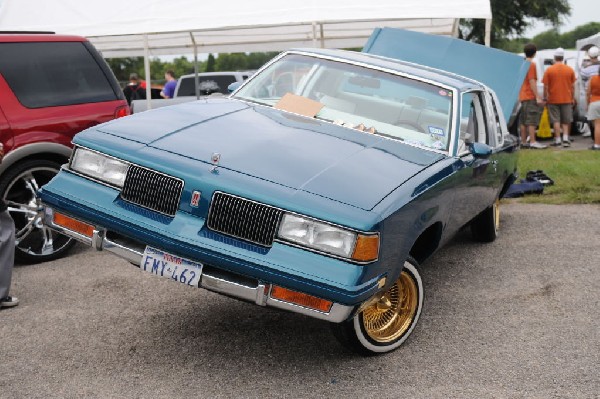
24, 37
420, 71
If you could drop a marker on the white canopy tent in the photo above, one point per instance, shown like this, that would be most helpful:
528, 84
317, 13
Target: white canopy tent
117, 28
586, 43
156, 27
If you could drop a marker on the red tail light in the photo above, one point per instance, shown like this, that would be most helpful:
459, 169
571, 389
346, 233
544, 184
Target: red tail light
122, 111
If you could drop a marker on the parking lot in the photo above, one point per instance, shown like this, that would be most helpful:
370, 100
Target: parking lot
516, 318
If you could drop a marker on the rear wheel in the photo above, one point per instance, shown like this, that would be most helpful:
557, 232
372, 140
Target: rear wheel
388, 319
486, 225
34, 241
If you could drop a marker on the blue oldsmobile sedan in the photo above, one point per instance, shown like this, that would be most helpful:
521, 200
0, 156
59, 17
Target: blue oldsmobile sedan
318, 187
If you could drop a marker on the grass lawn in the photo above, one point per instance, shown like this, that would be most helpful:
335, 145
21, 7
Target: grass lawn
576, 175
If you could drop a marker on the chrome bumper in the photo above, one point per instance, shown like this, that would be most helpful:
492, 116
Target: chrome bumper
212, 279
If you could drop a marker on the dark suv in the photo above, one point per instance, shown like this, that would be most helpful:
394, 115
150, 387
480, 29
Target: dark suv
51, 87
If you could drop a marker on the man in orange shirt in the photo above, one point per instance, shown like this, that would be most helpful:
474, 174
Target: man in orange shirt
531, 102
559, 92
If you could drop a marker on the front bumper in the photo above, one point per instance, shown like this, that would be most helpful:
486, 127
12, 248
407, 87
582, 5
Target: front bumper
212, 279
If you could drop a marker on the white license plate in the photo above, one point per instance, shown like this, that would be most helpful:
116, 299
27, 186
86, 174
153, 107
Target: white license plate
170, 266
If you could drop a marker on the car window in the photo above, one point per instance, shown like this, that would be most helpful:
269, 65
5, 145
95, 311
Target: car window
383, 103
53, 74
206, 85
473, 122
496, 124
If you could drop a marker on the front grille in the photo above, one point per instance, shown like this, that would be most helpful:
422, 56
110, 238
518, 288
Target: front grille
152, 190
244, 219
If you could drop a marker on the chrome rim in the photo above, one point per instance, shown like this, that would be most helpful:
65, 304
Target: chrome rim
390, 317
32, 236
497, 215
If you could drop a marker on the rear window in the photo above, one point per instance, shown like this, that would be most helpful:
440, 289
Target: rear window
53, 74
206, 84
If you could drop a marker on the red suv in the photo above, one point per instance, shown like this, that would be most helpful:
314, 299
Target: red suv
51, 87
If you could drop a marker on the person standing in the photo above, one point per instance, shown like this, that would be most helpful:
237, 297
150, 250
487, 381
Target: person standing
7, 251
593, 99
169, 90
559, 93
531, 102
592, 68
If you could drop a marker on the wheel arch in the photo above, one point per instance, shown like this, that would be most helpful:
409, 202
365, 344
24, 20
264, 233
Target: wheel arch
427, 242
44, 151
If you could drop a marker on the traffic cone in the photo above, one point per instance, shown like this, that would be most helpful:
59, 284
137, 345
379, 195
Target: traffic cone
544, 129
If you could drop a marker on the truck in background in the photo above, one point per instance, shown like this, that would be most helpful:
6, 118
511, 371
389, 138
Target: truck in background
209, 83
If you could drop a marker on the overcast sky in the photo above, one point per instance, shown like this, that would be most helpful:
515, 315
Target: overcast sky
582, 12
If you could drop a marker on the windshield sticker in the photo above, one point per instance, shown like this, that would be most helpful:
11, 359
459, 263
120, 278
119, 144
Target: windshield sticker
443, 93
438, 131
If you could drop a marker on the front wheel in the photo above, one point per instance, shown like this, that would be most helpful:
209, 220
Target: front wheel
388, 319
34, 241
486, 225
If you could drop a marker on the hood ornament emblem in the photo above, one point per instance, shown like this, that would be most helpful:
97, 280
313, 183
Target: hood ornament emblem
215, 158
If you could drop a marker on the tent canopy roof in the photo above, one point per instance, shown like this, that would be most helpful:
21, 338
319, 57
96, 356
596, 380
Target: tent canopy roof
118, 28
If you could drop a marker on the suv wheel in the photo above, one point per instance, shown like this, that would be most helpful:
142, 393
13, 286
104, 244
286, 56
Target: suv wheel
34, 241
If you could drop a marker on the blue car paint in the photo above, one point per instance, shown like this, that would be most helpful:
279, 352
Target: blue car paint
312, 156
185, 234
390, 187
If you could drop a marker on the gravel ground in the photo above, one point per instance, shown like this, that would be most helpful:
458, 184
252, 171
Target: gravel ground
518, 318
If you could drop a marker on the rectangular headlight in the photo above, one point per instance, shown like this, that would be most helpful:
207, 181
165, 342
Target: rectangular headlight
99, 166
327, 238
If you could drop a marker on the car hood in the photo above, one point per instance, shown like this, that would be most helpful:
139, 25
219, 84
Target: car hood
302, 153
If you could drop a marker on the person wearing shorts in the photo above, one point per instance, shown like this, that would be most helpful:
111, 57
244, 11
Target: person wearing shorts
531, 102
559, 92
593, 97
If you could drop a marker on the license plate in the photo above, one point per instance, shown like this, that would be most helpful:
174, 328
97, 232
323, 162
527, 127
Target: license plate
170, 266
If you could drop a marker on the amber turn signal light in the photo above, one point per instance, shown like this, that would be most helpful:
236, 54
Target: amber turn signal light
367, 248
298, 298
73, 224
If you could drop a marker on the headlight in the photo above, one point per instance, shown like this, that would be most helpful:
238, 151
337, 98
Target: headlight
99, 166
330, 239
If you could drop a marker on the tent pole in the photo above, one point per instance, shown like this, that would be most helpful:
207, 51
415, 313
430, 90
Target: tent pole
147, 72
322, 36
196, 79
488, 32
314, 34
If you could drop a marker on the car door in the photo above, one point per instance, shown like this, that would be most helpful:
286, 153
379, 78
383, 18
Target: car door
476, 177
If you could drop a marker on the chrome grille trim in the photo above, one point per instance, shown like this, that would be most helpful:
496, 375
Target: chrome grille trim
244, 219
152, 190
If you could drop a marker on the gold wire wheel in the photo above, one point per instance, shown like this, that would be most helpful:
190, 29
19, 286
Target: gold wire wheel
392, 315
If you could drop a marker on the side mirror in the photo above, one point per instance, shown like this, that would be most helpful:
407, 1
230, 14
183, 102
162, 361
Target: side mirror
233, 87
480, 150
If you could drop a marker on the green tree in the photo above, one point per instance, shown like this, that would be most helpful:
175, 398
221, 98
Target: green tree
210, 63
548, 39
569, 39
231, 62
512, 18
257, 60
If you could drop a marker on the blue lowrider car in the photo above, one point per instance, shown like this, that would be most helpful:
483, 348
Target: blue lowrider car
318, 187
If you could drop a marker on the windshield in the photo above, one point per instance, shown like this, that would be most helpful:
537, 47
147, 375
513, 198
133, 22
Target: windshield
358, 97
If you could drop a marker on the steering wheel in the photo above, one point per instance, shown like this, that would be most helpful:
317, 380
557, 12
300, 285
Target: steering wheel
411, 124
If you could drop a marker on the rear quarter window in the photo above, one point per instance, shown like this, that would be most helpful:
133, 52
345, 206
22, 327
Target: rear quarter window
54, 74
